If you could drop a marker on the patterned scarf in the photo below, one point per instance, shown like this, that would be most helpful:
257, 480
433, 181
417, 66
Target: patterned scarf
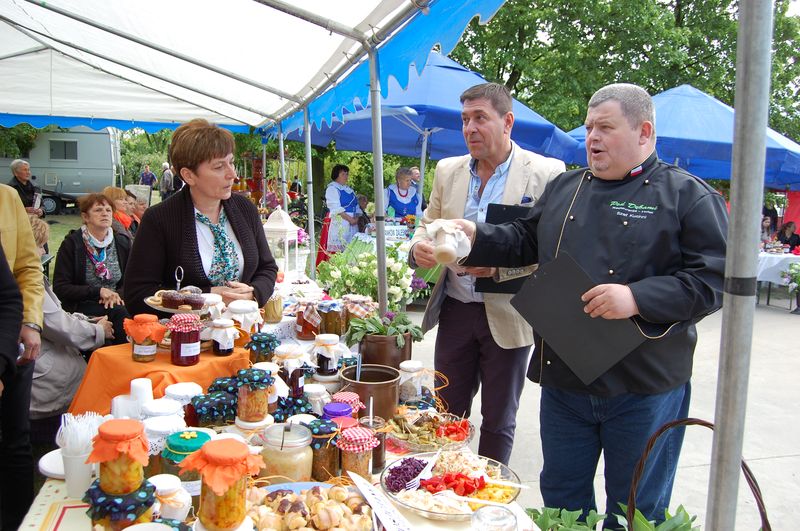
225, 264
96, 251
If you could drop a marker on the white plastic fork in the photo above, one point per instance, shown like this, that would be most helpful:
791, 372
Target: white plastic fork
413, 484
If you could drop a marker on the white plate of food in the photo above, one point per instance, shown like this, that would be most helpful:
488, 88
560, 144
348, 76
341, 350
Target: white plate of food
156, 303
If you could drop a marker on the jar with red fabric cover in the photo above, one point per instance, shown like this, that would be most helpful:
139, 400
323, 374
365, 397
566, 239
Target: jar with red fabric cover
185, 339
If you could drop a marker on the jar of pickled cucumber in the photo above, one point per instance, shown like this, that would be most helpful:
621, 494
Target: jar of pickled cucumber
145, 332
224, 465
254, 387
121, 448
178, 446
273, 309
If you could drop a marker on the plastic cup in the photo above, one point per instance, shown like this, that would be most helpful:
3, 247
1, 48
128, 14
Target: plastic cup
77, 474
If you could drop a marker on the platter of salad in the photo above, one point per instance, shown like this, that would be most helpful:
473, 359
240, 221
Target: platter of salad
429, 430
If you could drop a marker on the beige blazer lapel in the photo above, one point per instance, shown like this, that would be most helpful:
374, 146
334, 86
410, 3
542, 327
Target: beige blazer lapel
517, 180
459, 189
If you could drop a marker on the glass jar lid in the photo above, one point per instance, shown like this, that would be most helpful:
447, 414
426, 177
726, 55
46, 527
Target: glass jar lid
163, 426
287, 435
411, 366
326, 339
243, 306
314, 390
222, 323
161, 407
183, 391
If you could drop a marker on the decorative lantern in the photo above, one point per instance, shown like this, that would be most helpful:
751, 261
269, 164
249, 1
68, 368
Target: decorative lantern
280, 230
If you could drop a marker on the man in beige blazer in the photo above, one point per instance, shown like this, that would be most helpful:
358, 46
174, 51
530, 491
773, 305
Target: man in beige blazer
481, 338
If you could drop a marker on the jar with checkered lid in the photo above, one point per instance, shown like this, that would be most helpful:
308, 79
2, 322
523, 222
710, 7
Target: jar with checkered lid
184, 338
356, 444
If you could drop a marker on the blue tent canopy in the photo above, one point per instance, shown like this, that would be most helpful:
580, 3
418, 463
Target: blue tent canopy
431, 103
695, 132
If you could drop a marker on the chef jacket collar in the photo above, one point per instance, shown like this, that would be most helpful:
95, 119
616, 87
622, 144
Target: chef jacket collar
635, 172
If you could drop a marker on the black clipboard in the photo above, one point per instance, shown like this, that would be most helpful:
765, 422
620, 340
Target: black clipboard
550, 300
497, 214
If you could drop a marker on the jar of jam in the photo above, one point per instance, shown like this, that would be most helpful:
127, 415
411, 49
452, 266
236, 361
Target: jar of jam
223, 335
253, 402
145, 333
121, 472
356, 445
176, 448
351, 399
377, 425
327, 350
333, 319
225, 466
246, 313
273, 309
287, 452
185, 339
325, 461
307, 320
183, 392
357, 307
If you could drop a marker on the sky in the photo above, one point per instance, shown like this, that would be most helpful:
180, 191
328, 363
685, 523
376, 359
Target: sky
794, 7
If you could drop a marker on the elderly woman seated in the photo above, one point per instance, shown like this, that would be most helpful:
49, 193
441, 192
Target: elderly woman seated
60, 365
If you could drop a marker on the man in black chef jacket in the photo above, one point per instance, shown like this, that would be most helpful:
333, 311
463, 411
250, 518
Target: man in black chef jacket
652, 238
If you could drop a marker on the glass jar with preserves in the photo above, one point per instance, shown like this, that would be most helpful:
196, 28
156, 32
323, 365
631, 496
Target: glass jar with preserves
336, 409
356, 445
223, 335
357, 306
183, 392
327, 351
272, 369
332, 315
351, 399
157, 429
273, 309
225, 466
214, 409
246, 313
378, 427
410, 380
174, 502
262, 347
177, 447
145, 332
184, 337
113, 513
254, 387
325, 461
287, 452
307, 320
318, 397
121, 448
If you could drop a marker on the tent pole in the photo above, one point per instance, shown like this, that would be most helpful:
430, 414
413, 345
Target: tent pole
264, 170
422, 156
283, 167
309, 185
377, 163
753, 63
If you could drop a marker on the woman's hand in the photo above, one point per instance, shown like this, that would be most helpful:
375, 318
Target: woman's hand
109, 298
234, 291
108, 328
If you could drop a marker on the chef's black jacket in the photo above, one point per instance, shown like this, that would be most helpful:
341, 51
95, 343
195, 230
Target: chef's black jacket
660, 230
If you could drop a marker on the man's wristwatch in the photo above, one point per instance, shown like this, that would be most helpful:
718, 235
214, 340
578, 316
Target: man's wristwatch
34, 326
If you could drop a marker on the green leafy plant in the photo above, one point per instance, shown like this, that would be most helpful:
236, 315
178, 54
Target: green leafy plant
791, 277
392, 324
680, 521
548, 519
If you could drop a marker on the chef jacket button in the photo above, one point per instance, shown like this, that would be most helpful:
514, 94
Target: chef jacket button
588, 177
625, 223
610, 271
548, 362
572, 218
647, 181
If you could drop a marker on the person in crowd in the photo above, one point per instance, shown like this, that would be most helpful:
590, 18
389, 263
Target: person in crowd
597, 215
122, 220
343, 207
147, 177
91, 265
132, 202
482, 341
166, 186
21, 182
139, 206
766, 231
417, 181
214, 235
401, 196
296, 186
16, 457
771, 212
786, 235
363, 218
60, 366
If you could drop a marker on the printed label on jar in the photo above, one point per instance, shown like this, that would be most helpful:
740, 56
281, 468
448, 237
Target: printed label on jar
193, 487
225, 344
190, 349
299, 328
144, 350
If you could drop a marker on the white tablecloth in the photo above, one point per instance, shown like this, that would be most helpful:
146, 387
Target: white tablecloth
770, 266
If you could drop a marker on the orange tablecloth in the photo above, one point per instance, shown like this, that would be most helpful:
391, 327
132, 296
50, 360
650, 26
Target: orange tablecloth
111, 370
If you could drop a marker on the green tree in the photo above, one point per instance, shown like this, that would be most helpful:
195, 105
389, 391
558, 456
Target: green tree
17, 141
553, 55
139, 148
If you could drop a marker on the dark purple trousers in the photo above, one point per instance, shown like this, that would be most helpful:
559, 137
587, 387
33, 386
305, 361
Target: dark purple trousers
467, 354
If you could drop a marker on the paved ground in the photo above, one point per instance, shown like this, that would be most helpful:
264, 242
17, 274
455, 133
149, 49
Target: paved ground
771, 429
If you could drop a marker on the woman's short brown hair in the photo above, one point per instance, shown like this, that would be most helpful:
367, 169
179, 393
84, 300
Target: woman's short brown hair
89, 200
198, 141
113, 193
41, 230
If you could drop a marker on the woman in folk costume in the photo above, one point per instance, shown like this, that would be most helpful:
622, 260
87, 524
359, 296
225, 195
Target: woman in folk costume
402, 196
344, 210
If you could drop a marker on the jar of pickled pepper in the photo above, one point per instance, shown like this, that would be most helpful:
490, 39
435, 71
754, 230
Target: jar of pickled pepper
121, 448
145, 333
253, 398
185, 339
333, 318
225, 466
